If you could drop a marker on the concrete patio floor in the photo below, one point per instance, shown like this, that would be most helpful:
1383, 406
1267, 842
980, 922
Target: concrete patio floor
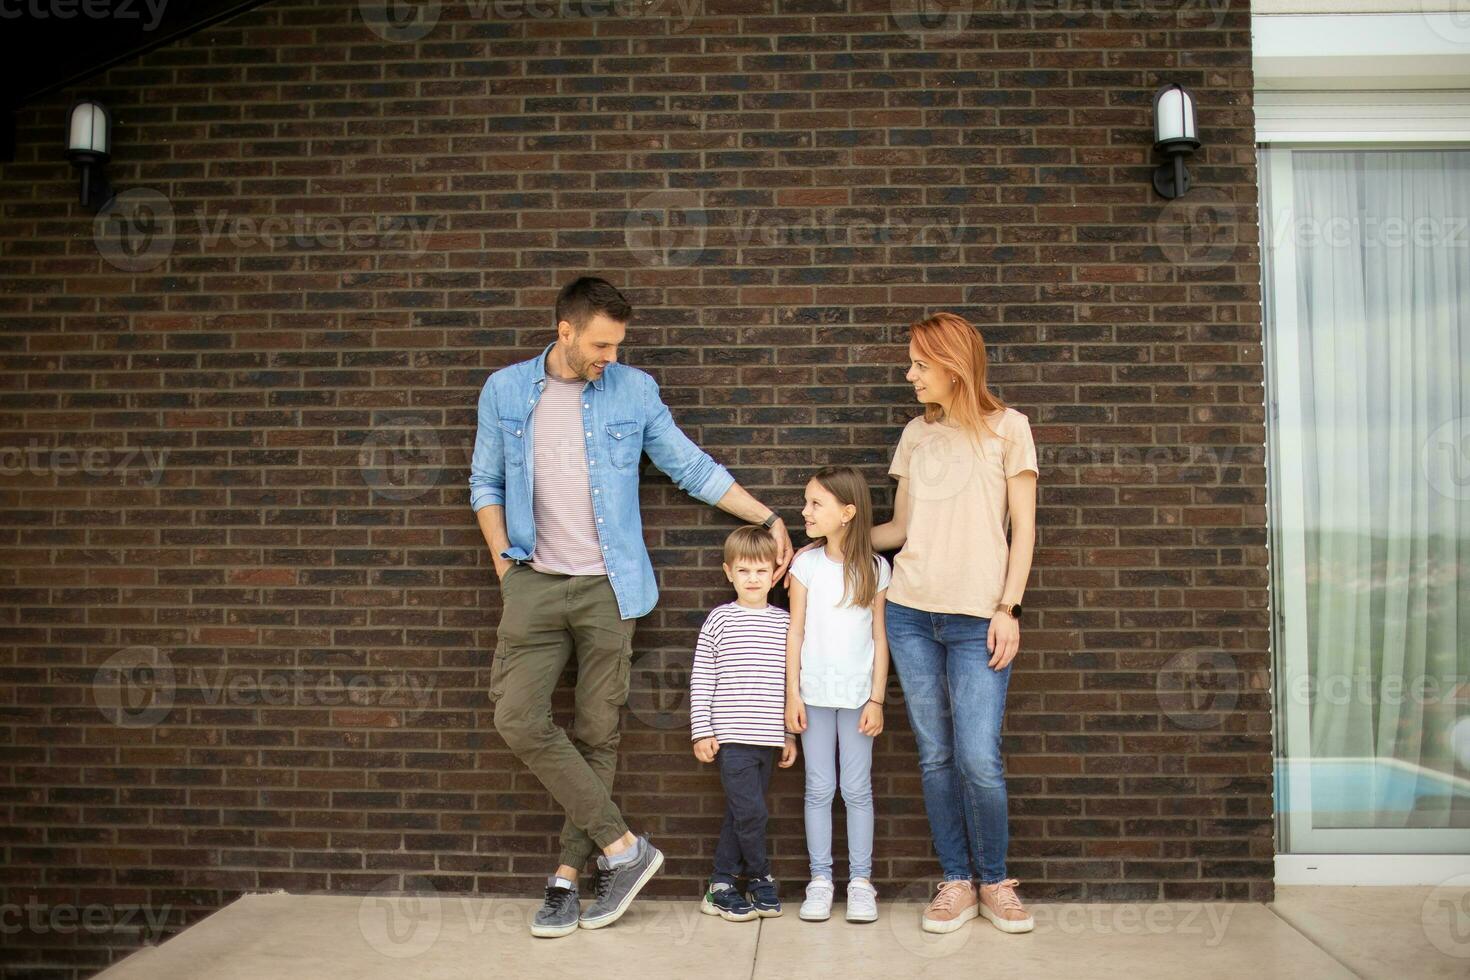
1307, 933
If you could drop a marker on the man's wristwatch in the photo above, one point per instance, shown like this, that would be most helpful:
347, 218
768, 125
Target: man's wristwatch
770, 522
1011, 609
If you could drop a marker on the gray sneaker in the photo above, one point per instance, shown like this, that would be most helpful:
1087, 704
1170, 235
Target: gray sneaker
558, 914
617, 886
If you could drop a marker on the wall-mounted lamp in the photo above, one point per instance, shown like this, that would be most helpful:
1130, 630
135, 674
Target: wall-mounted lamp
1174, 134
88, 147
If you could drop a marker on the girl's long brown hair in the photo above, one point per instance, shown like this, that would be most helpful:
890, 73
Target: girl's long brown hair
859, 569
949, 341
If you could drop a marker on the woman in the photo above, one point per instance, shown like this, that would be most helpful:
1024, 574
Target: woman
965, 468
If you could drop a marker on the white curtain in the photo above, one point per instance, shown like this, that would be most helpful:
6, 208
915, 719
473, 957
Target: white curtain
1383, 303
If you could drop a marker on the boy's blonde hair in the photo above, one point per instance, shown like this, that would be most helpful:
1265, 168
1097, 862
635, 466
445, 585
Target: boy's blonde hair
751, 542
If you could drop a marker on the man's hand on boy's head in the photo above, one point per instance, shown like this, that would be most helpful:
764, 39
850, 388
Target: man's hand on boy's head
705, 749
788, 752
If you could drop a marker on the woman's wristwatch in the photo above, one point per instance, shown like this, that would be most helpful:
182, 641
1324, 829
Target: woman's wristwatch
1011, 609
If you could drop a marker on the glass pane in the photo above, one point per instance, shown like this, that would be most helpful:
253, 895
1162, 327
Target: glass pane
1381, 341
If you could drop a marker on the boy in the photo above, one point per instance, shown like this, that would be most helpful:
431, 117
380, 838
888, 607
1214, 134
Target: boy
737, 717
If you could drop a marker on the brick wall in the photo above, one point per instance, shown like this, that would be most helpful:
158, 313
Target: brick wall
247, 615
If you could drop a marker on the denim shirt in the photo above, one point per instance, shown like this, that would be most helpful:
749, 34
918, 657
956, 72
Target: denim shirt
625, 417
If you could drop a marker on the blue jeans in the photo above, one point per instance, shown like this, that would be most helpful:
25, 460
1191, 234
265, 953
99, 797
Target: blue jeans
955, 704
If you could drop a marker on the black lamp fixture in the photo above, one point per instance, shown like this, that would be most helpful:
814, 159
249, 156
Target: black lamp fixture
1176, 135
89, 147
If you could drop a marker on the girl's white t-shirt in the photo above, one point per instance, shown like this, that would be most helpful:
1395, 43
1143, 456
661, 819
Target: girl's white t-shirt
837, 645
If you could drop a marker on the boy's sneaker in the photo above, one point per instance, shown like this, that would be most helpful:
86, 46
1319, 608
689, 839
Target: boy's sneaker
951, 908
862, 901
723, 900
999, 904
558, 914
618, 885
763, 896
818, 904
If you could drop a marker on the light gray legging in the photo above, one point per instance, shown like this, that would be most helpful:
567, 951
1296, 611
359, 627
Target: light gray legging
827, 730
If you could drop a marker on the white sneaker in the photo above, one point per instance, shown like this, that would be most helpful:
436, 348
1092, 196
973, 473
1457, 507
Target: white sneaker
818, 904
862, 901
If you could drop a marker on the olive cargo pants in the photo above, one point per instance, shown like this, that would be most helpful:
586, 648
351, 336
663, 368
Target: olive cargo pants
546, 618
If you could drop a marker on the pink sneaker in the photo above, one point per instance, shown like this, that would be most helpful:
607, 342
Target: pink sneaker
951, 908
999, 904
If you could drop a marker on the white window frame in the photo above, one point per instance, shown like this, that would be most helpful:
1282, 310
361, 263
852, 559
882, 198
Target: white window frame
1319, 856
1340, 81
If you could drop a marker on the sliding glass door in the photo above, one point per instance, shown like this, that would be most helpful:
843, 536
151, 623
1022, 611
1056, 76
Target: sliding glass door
1367, 299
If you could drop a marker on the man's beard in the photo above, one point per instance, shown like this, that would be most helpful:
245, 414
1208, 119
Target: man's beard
579, 365
584, 368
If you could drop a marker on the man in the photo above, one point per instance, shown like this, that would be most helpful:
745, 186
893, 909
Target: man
554, 486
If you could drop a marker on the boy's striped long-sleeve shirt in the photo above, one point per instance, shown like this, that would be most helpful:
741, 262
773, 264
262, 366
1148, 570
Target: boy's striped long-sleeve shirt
737, 687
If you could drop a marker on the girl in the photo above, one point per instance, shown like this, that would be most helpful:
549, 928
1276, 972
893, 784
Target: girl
836, 676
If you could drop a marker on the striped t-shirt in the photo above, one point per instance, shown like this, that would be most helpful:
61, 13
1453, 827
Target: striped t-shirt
737, 687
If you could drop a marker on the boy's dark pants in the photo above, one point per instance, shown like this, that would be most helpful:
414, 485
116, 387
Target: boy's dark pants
745, 772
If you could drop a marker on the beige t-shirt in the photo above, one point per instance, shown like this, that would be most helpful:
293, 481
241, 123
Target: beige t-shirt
954, 560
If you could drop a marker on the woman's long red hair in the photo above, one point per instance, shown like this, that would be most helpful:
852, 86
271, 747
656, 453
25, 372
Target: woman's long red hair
950, 342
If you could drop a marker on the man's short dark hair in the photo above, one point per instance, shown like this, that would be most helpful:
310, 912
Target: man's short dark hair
582, 299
